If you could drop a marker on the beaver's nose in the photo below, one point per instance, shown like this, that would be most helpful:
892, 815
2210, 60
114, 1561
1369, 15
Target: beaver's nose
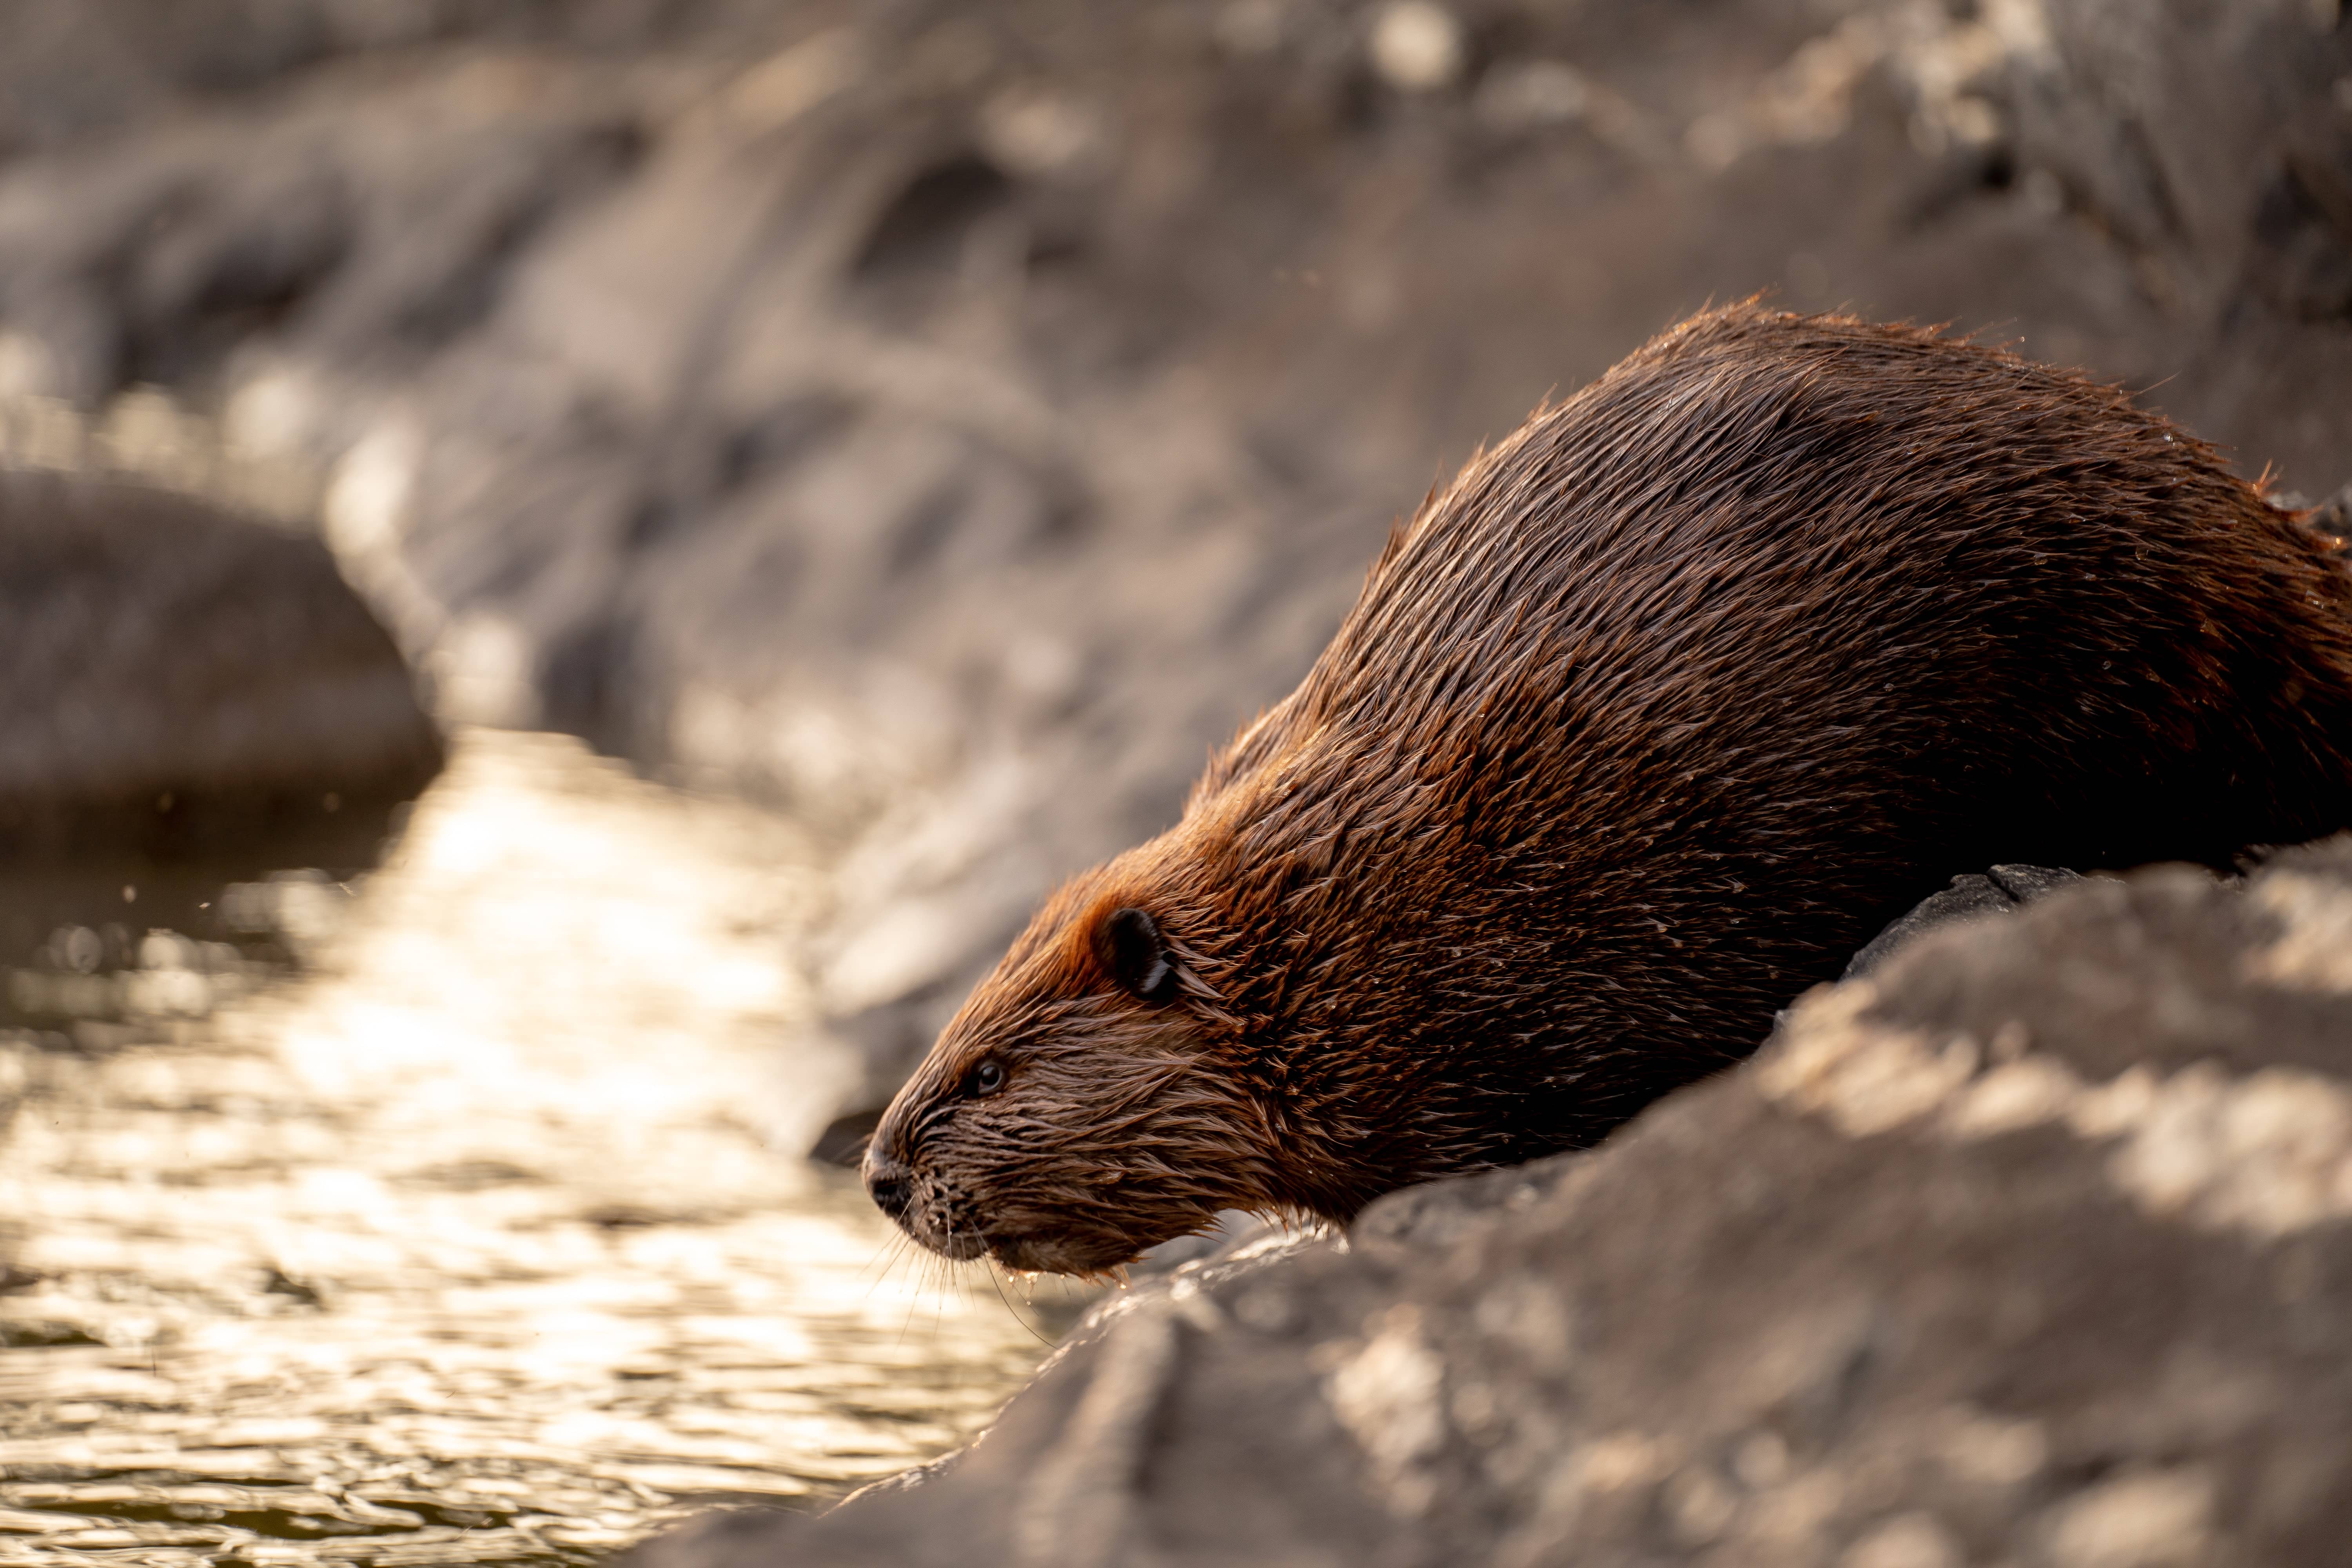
891, 1185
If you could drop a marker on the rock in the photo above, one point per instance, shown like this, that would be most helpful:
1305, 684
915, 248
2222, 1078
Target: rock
183, 683
2123, 126
2331, 520
87, 70
2001, 891
2032, 1248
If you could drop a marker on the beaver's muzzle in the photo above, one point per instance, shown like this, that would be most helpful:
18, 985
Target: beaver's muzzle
889, 1183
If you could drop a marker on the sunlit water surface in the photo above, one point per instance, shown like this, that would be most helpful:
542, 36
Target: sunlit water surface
481, 1240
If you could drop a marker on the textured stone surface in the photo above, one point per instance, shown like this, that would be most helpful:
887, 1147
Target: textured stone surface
947, 422
2032, 1249
2002, 890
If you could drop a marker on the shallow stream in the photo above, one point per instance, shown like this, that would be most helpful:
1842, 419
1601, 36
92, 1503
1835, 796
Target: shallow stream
478, 1234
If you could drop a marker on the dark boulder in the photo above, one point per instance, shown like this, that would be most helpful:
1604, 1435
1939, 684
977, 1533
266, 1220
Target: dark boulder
184, 683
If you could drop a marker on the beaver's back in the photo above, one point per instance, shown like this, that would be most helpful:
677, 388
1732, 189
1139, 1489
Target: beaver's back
1669, 701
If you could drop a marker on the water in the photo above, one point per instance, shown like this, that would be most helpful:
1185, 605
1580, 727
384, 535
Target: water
479, 1236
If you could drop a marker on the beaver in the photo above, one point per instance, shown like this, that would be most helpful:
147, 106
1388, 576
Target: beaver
1639, 728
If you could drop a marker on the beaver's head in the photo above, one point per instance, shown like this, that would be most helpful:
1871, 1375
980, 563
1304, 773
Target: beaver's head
1237, 1014
1085, 1104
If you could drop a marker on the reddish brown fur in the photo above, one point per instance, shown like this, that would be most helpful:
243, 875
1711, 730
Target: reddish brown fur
1639, 729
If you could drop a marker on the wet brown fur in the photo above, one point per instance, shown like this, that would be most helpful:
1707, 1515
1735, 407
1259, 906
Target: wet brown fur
1638, 729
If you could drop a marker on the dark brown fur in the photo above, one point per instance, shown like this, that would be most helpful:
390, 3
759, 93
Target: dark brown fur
1638, 730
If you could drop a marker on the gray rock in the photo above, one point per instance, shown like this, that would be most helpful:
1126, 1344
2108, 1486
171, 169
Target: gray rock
2036, 1248
181, 682
72, 72
2001, 891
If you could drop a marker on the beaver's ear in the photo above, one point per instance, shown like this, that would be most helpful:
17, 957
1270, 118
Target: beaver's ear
1135, 957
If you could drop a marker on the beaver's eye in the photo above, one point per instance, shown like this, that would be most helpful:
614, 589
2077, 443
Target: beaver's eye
986, 1079
1136, 956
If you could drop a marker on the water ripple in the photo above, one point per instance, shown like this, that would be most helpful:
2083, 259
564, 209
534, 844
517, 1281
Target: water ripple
473, 1242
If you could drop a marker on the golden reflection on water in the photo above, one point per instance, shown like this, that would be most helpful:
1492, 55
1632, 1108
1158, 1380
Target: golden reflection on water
484, 1239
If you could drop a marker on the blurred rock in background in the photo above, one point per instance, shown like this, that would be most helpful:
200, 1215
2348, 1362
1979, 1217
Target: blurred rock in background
181, 681
945, 423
